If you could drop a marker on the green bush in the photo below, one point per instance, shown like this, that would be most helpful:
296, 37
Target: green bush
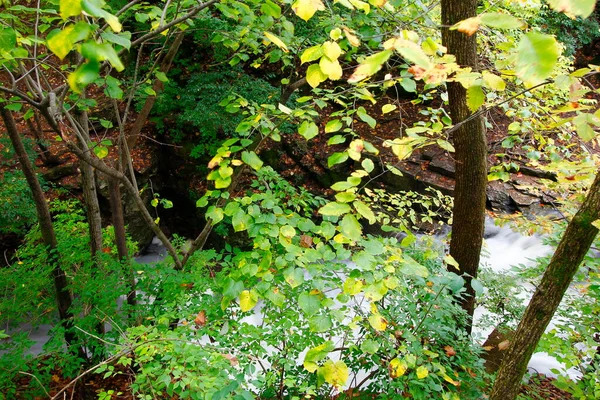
195, 114
18, 213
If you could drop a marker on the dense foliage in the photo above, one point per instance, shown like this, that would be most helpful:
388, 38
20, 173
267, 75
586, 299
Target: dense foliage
305, 304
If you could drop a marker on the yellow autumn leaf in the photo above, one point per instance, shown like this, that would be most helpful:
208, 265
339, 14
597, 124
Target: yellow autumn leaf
276, 41
332, 50
332, 69
422, 372
248, 300
352, 39
378, 322
468, 26
305, 9
397, 368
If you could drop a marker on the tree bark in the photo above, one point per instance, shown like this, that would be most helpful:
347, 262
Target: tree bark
120, 237
63, 296
90, 194
471, 155
571, 250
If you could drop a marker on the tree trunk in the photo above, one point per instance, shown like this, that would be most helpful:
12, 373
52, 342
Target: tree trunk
90, 195
63, 296
471, 155
120, 237
571, 250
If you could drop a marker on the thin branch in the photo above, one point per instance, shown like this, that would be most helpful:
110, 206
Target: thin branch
176, 21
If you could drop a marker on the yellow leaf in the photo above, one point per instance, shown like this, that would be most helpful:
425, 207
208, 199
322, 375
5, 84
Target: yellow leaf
248, 300
334, 372
352, 39
314, 75
333, 69
468, 26
397, 368
276, 41
332, 50
422, 372
305, 9
378, 322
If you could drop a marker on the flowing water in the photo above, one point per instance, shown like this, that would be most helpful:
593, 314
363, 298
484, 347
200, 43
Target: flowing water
504, 248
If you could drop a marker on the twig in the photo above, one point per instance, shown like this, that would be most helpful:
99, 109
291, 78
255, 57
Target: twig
38, 381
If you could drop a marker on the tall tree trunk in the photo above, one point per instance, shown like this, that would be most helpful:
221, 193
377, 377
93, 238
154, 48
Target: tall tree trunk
471, 154
571, 250
63, 296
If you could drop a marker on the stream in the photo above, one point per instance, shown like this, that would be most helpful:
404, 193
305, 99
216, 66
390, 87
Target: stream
503, 249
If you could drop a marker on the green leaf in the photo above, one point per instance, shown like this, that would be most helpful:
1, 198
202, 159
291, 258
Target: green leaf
477, 287
122, 39
412, 268
320, 323
333, 126
409, 85
333, 372
83, 76
113, 89
362, 114
351, 228
317, 354
270, 8
248, 299
368, 165
241, 221
365, 211
583, 124
214, 214
337, 158
287, 231
309, 304
101, 52
14, 106
314, 75
334, 209
311, 54
250, 158
446, 145
345, 197
370, 346
94, 8
578, 8
161, 76
475, 97
308, 130
101, 151
232, 289
536, 57
294, 276
369, 66
8, 38
501, 21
